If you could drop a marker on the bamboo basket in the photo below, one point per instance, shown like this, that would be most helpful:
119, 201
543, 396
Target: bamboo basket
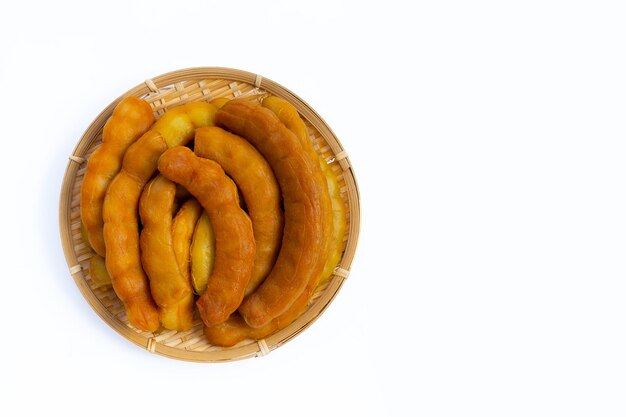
165, 92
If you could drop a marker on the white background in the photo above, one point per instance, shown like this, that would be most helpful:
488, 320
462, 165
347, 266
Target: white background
488, 140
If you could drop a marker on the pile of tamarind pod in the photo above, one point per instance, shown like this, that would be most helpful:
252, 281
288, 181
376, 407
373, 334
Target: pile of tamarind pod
221, 208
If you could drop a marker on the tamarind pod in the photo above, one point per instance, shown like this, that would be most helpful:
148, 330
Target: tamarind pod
202, 254
121, 232
170, 289
182, 234
258, 186
307, 215
157, 253
234, 239
131, 118
290, 117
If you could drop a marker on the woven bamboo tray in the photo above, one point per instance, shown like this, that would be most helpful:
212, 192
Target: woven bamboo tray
165, 92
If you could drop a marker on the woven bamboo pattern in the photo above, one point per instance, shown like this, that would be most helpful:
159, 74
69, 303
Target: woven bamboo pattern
163, 93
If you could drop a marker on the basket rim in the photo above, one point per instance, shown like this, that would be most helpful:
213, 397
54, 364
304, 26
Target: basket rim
223, 354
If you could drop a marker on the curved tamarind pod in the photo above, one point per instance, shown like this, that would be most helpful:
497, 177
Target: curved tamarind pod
181, 313
182, 233
235, 329
234, 239
131, 118
177, 125
219, 102
258, 186
155, 240
307, 209
121, 231
290, 117
202, 254
167, 284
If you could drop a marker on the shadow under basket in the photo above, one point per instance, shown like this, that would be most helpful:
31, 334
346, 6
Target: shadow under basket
165, 92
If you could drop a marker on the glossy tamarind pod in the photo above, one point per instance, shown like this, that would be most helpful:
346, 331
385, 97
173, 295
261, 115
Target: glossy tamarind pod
290, 117
234, 239
170, 289
183, 229
308, 218
131, 118
258, 186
